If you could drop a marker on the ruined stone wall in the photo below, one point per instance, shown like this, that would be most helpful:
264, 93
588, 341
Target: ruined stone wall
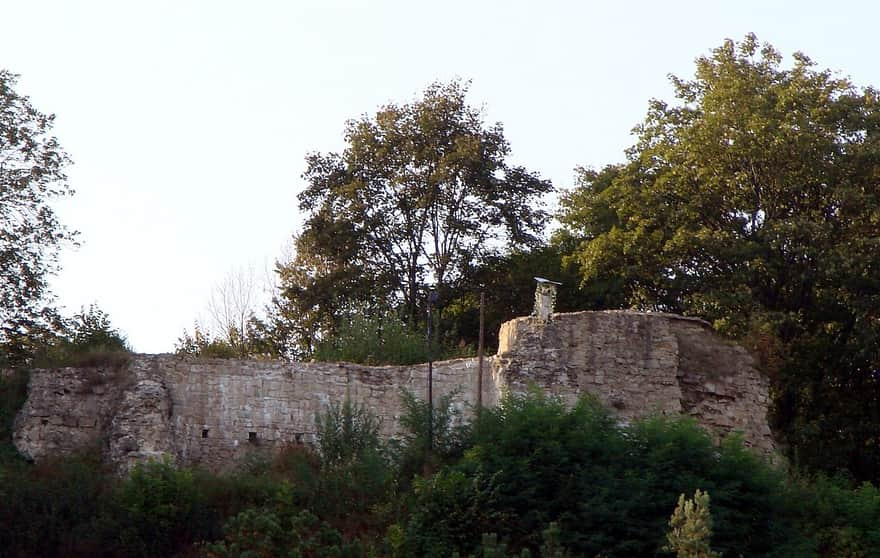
213, 413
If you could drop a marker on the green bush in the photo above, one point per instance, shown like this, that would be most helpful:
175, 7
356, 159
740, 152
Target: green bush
280, 529
609, 488
452, 509
88, 339
354, 488
52, 509
159, 509
202, 344
373, 339
844, 519
690, 528
346, 432
542, 479
449, 437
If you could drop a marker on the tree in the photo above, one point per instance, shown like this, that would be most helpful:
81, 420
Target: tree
421, 192
753, 203
233, 329
31, 176
690, 528
317, 288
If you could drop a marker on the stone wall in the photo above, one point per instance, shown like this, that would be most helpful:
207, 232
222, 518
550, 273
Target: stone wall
213, 413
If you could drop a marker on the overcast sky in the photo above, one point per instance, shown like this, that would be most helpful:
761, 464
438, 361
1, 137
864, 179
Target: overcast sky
188, 122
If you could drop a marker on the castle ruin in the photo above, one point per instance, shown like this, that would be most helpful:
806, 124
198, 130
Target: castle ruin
212, 412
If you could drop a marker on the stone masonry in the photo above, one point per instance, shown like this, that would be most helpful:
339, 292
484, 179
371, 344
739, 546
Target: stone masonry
213, 412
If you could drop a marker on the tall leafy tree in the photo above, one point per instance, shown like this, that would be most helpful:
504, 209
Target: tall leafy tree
753, 203
31, 176
421, 192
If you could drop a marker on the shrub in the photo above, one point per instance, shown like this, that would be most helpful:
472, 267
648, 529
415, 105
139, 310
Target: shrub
89, 339
356, 479
845, 519
346, 432
280, 529
373, 339
202, 344
608, 487
13, 393
158, 510
690, 528
51, 509
410, 449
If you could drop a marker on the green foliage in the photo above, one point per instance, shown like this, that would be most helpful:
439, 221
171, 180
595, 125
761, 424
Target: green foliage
51, 509
609, 488
751, 203
346, 433
88, 339
844, 519
449, 437
373, 339
158, 509
552, 542
202, 344
509, 286
356, 476
491, 547
690, 528
451, 510
421, 192
280, 530
532, 478
251, 340
31, 178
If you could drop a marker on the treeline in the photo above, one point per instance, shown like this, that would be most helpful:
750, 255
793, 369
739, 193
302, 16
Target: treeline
530, 478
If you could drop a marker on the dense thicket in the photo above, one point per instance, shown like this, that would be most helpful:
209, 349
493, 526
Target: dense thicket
530, 477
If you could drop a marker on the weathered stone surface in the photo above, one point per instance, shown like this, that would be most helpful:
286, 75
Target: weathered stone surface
67, 410
213, 413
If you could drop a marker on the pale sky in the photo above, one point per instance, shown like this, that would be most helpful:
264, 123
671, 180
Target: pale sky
188, 122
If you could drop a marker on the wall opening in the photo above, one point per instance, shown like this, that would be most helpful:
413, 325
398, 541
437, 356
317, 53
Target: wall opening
252, 437
204, 432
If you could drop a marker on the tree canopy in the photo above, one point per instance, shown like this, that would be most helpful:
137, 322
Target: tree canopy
753, 202
422, 191
31, 175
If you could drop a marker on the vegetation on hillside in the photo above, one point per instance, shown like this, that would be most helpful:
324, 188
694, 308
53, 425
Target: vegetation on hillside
532, 477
